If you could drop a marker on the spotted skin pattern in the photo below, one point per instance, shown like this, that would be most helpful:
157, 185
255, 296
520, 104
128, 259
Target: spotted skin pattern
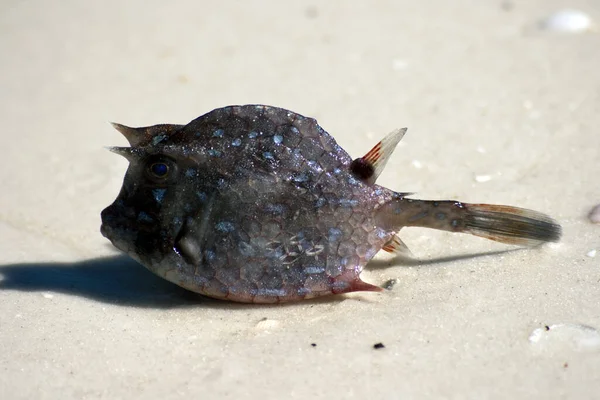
259, 204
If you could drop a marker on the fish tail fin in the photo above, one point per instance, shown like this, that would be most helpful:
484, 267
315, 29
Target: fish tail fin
505, 224
511, 225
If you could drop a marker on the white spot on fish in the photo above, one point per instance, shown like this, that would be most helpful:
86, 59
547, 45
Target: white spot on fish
157, 139
417, 164
316, 250
246, 249
314, 269
591, 253
209, 255
144, 217
381, 233
158, 194
334, 234
275, 208
202, 196
225, 226
303, 177
348, 202
352, 181
271, 292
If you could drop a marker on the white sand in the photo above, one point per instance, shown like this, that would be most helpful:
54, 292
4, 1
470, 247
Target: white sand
485, 93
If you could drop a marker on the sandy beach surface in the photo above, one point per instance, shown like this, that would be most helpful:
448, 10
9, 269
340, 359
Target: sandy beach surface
502, 104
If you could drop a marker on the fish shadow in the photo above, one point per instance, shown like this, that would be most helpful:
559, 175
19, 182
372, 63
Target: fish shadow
407, 261
116, 280
122, 281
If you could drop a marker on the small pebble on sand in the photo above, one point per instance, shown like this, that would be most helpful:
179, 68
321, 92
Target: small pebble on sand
594, 215
564, 336
399, 64
389, 284
266, 324
482, 178
567, 21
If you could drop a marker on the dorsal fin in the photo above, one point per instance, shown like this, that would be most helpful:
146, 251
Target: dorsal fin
369, 167
397, 246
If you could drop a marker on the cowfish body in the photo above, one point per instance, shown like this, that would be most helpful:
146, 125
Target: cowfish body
259, 204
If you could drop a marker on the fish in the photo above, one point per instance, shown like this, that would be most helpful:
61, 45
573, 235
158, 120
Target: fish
259, 204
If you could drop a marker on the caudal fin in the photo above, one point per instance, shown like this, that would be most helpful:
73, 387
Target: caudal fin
510, 225
506, 224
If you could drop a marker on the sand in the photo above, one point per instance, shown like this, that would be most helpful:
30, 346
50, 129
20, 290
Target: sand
499, 109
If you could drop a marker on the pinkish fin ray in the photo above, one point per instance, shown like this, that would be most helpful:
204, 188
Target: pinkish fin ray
349, 281
357, 285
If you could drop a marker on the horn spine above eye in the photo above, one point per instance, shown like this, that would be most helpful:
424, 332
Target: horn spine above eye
128, 152
133, 135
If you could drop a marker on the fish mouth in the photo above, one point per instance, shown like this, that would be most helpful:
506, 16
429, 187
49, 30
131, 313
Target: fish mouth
106, 217
112, 228
135, 238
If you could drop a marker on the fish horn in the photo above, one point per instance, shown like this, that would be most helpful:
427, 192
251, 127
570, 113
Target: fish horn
128, 152
133, 135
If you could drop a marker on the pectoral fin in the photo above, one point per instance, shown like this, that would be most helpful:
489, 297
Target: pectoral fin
398, 247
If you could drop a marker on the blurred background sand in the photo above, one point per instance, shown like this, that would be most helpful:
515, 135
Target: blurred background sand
501, 107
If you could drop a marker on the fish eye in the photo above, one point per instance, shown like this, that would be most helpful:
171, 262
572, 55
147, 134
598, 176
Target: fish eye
159, 169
